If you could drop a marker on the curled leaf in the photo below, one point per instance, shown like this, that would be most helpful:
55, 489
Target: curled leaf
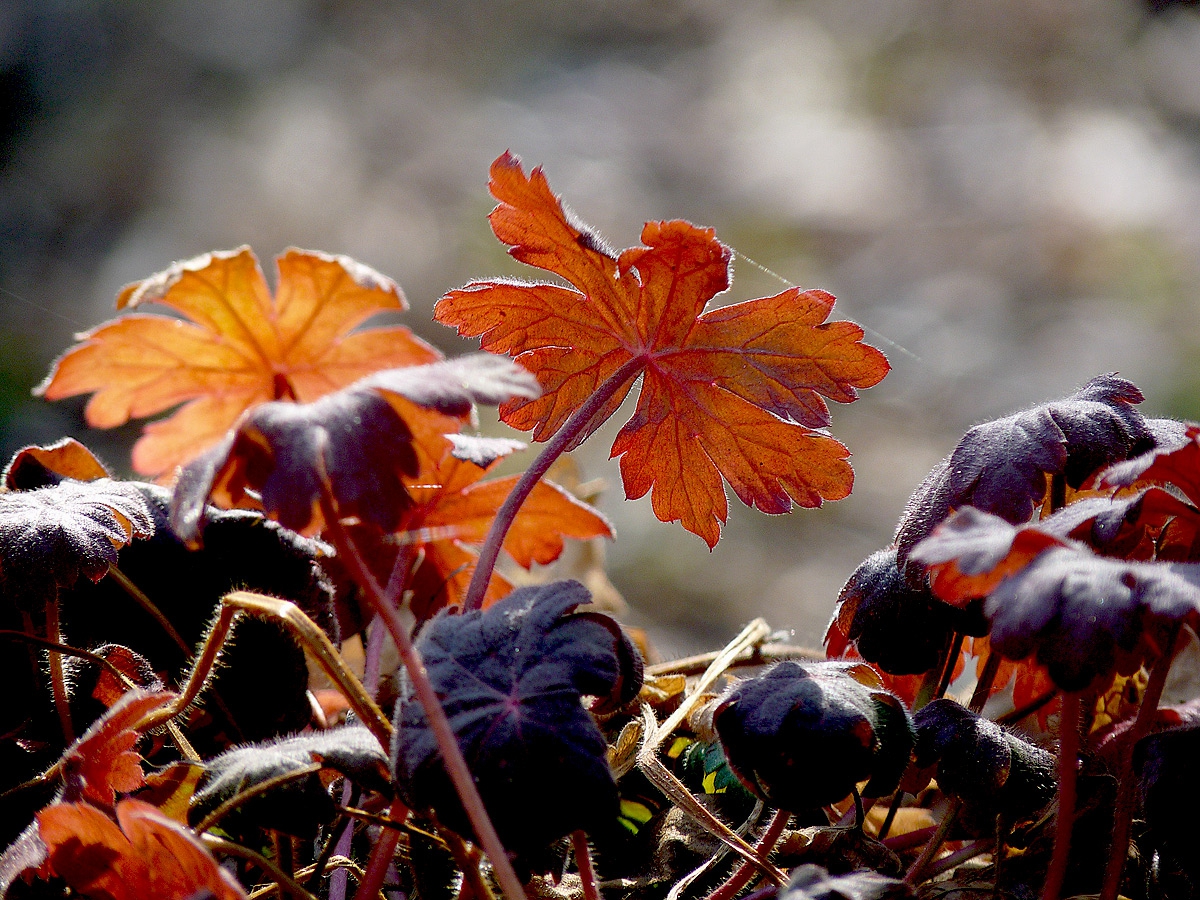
803, 736
992, 770
902, 628
354, 440
36, 467
236, 347
1000, 467
511, 679
298, 806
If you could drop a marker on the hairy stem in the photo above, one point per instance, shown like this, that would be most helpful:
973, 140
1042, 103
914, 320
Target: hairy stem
58, 682
452, 757
1123, 813
1068, 766
742, 875
566, 436
583, 862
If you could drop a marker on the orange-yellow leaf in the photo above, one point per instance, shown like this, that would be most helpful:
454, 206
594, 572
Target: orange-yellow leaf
237, 346
734, 393
456, 509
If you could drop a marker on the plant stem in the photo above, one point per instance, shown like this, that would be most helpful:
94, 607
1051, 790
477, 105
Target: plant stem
897, 802
983, 687
1123, 813
948, 670
58, 681
564, 438
747, 870
1068, 765
916, 874
958, 857
583, 862
452, 757
381, 858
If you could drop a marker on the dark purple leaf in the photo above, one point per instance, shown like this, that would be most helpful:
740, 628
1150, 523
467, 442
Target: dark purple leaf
511, 679
901, 628
803, 736
297, 807
51, 536
1001, 466
812, 882
352, 440
992, 770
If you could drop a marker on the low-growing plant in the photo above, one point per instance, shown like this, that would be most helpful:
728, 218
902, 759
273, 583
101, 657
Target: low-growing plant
184, 717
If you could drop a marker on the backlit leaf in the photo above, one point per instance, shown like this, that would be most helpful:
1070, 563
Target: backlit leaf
103, 761
237, 346
732, 394
149, 855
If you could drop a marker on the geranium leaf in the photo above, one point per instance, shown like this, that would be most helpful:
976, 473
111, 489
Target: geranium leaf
51, 536
992, 770
354, 440
511, 678
802, 737
149, 855
1177, 464
36, 467
297, 807
1000, 467
103, 760
733, 393
236, 347
902, 628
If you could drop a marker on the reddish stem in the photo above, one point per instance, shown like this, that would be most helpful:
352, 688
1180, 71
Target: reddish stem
452, 757
747, 870
381, 857
58, 681
583, 862
1068, 769
565, 437
1123, 814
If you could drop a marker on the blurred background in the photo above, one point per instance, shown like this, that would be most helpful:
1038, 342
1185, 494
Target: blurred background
1005, 193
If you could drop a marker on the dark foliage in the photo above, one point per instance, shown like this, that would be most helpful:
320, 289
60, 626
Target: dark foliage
804, 736
511, 679
1001, 467
300, 806
995, 772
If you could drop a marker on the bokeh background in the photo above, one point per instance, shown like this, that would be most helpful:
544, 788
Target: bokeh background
1005, 193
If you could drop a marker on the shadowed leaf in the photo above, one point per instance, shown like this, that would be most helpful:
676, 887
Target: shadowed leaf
511, 678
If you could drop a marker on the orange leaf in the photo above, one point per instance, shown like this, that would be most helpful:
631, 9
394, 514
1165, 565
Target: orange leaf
733, 393
238, 346
104, 758
149, 855
458, 512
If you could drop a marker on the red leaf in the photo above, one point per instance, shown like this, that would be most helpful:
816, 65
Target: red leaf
149, 855
104, 758
733, 393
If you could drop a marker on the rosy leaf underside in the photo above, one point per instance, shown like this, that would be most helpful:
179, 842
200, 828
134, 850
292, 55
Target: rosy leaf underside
1177, 464
730, 394
237, 346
